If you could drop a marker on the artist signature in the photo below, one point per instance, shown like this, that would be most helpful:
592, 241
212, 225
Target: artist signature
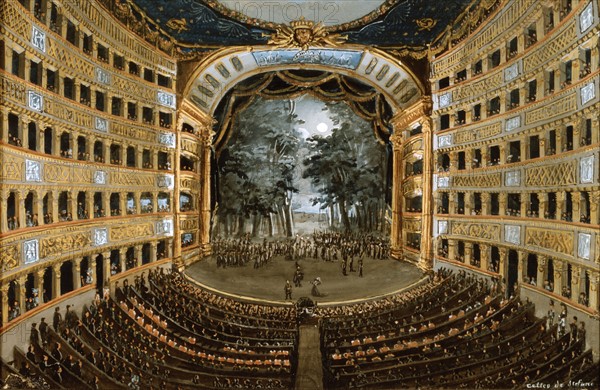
571, 384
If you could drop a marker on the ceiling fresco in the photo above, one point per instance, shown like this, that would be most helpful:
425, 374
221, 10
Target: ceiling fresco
186, 26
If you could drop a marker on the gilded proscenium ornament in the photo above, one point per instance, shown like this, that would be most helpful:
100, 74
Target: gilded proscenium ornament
304, 33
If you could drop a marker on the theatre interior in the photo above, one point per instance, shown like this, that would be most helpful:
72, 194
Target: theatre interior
377, 194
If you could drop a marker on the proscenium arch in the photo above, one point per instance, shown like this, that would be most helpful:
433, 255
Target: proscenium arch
220, 72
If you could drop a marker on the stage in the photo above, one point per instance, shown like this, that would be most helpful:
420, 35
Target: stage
380, 277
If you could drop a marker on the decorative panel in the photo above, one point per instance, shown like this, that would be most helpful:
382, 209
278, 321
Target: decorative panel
587, 92
512, 178
166, 99
167, 139
38, 39
100, 177
512, 234
512, 123
31, 252
33, 171
442, 227
100, 236
586, 169
490, 180
558, 241
583, 245
551, 175
131, 231
485, 231
35, 101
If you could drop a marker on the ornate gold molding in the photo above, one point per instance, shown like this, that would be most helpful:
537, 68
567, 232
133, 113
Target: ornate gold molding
302, 34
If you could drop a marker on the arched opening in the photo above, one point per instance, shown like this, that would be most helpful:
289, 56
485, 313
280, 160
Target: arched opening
115, 204
31, 216
98, 152
13, 130
47, 207
131, 156
48, 140
85, 272
164, 202
99, 211
100, 277
549, 283
115, 262
66, 277
161, 250
82, 153
63, 206
398, 90
32, 136
48, 292
82, 212
146, 200
66, 150
13, 302
11, 212
31, 294
513, 271
532, 266
185, 202
130, 259
115, 154
146, 253
131, 206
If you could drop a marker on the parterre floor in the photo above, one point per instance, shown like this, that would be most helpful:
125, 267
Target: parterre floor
380, 277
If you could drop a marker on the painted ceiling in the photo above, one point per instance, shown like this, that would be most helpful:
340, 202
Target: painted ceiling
198, 24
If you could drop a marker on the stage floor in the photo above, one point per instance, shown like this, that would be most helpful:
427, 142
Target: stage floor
380, 277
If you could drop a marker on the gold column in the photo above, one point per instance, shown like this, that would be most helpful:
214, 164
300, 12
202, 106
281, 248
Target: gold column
5, 306
541, 269
205, 200
39, 283
558, 273
153, 248
575, 282
502, 263
593, 298
56, 281
21, 293
3, 207
176, 242
485, 256
426, 259
396, 233
77, 273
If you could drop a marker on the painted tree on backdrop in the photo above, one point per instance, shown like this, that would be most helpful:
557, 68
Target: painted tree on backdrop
256, 170
349, 170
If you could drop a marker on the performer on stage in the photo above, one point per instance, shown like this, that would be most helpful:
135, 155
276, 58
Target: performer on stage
315, 290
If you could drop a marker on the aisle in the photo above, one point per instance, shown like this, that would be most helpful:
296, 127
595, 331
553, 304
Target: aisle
309, 375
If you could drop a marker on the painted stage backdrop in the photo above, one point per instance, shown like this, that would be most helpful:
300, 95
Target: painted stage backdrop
298, 165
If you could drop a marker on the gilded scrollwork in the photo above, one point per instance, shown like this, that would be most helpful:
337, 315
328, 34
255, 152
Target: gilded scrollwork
476, 230
563, 174
10, 256
54, 245
131, 231
555, 240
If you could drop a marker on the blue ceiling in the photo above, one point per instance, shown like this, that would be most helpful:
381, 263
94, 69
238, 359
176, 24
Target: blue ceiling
205, 23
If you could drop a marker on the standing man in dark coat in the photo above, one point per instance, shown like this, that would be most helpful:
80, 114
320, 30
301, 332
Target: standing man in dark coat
57, 319
288, 290
360, 267
34, 336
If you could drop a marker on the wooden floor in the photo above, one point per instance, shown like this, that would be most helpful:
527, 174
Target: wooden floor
380, 277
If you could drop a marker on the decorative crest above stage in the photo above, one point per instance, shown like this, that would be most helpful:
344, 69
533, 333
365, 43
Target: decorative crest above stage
303, 33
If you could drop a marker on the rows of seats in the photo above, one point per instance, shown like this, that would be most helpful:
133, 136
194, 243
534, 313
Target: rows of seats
457, 331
